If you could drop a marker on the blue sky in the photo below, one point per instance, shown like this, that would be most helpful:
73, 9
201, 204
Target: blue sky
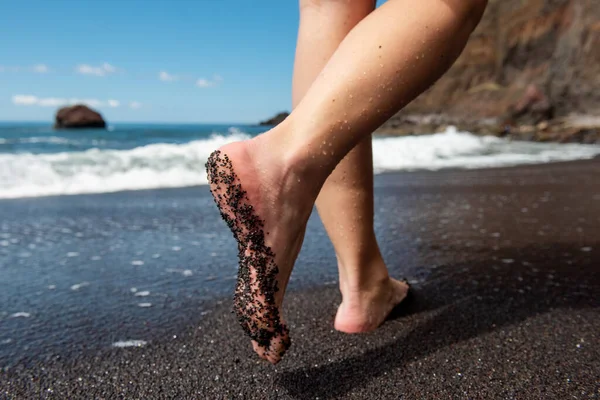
221, 60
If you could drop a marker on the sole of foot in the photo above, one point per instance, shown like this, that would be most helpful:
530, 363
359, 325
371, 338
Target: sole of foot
250, 194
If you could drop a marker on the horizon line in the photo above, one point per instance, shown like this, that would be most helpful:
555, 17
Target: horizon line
142, 122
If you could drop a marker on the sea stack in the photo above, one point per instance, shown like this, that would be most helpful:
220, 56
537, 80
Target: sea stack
276, 120
78, 116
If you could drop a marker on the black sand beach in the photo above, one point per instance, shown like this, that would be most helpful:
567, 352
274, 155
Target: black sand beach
505, 265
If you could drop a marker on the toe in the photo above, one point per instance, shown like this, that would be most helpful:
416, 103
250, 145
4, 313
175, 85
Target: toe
273, 357
275, 351
261, 351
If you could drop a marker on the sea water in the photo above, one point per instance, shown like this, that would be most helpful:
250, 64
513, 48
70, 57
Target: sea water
36, 160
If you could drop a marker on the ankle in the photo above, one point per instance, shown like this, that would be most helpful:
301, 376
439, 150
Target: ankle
293, 158
363, 278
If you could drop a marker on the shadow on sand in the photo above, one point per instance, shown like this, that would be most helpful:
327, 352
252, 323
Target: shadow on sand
465, 301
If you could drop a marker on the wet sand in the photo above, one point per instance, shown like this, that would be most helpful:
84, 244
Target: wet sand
506, 269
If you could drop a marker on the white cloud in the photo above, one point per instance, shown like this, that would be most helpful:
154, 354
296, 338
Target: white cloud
89, 102
40, 69
9, 68
166, 77
29, 100
24, 100
102, 70
204, 83
109, 68
85, 69
52, 102
135, 105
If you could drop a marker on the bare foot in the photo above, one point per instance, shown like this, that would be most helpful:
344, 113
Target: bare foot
363, 310
260, 201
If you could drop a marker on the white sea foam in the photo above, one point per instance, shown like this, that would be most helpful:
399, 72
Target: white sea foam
41, 139
130, 343
453, 149
97, 171
184, 272
179, 165
78, 286
20, 314
47, 139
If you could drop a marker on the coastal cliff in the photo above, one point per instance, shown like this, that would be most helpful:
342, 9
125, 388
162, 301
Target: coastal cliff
531, 70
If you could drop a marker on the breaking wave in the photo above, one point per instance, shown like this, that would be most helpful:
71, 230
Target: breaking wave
178, 165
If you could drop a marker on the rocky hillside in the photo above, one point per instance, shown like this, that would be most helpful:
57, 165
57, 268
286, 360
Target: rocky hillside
529, 64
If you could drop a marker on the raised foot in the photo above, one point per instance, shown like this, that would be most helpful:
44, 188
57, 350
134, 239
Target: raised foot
261, 282
365, 310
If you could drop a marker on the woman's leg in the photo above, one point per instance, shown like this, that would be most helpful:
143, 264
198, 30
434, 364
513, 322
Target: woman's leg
265, 187
345, 202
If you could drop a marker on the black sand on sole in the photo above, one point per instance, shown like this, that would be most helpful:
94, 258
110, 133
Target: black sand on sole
254, 299
509, 309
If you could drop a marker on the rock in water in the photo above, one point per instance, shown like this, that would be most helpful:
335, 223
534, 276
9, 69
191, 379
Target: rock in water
78, 116
276, 120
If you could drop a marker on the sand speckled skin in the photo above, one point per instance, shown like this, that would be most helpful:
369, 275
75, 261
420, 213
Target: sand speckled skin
254, 301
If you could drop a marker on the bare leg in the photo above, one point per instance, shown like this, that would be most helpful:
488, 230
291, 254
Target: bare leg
345, 202
265, 187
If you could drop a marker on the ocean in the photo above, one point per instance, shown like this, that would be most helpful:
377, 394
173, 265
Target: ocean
36, 160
